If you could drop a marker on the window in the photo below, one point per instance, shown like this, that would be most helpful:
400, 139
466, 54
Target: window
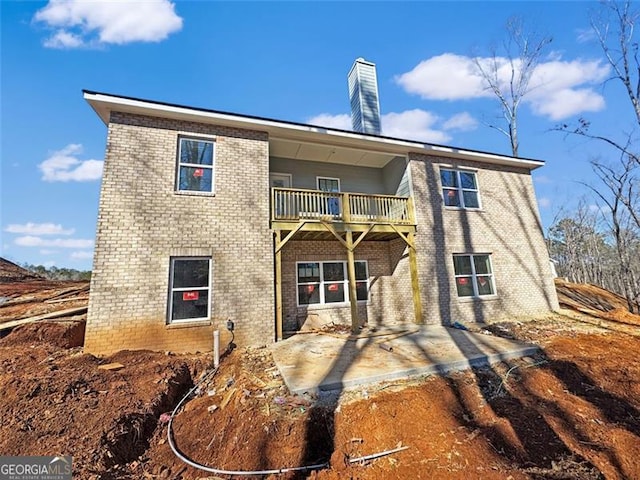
195, 165
459, 188
327, 282
189, 298
473, 274
328, 184
331, 203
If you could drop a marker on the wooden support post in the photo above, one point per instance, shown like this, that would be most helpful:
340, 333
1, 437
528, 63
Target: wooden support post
278, 260
415, 286
351, 271
346, 208
411, 210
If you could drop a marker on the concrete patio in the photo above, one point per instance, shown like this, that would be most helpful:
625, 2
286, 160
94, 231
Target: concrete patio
317, 362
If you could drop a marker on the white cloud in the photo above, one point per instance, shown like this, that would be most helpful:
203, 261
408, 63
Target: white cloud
63, 166
341, 121
81, 255
463, 122
544, 202
444, 77
559, 89
81, 23
63, 39
33, 241
46, 251
38, 229
414, 125
567, 102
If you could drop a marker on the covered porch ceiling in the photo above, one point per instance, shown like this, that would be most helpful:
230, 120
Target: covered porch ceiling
317, 152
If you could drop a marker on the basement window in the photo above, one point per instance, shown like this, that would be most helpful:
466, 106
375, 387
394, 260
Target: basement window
473, 275
195, 165
327, 283
190, 289
459, 188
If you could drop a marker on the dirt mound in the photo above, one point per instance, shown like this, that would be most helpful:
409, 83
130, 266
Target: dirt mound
595, 301
58, 402
63, 334
10, 272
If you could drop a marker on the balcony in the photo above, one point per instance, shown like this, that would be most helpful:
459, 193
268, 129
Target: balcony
292, 205
348, 218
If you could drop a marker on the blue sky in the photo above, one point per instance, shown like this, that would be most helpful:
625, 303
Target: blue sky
286, 61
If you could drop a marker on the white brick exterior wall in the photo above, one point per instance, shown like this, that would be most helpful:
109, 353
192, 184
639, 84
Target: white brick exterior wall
143, 222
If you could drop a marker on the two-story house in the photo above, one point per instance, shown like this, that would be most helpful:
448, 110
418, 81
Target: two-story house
207, 216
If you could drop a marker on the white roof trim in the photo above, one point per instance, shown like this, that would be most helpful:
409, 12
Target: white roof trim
104, 104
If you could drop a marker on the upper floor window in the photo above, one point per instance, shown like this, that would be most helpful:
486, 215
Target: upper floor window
474, 276
195, 165
459, 188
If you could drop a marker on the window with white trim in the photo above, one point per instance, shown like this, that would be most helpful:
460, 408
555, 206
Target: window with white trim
325, 283
196, 159
190, 289
473, 275
459, 188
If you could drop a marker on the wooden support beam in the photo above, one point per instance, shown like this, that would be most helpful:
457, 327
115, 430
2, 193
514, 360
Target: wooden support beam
415, 285
351, 271
280, 244
317, 225
408, 241
364, 234
335, 234
278, 260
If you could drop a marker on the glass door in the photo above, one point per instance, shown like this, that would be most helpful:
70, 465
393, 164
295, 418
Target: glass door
331, 203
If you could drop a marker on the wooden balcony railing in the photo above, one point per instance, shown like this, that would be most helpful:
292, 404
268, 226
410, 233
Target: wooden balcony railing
289, 204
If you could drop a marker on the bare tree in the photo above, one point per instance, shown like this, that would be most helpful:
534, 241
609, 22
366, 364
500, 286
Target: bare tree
619, 188
624, 234
614, 29
508, 75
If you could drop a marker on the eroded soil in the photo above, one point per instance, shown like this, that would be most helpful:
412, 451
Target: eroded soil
571, 412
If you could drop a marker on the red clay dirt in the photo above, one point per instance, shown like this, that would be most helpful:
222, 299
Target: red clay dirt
595, 301
571, 412
12, 273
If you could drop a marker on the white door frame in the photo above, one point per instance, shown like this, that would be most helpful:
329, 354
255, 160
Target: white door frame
288, 176
327, 178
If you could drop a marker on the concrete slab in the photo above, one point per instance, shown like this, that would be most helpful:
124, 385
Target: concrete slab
323, 362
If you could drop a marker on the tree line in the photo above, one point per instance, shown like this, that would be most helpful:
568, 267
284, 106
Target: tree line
55, 273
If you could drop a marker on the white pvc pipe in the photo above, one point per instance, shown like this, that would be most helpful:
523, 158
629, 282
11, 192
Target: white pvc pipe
219, 471
216, 348
376, 455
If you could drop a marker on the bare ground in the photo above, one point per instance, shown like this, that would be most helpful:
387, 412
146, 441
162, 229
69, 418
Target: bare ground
572, 412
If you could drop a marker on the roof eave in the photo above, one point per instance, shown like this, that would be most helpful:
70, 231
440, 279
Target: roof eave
104, 104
